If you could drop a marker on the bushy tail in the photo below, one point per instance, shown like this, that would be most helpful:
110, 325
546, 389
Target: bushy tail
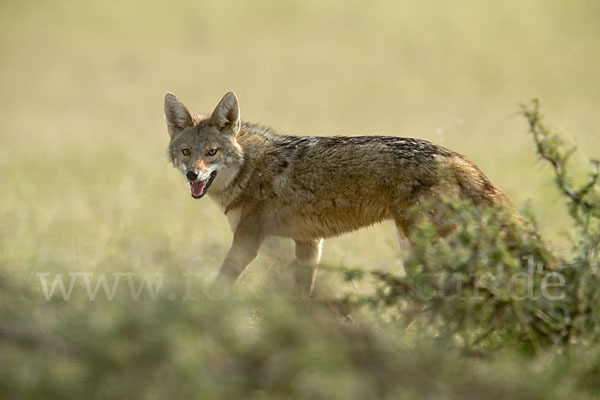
474, 185
520, 232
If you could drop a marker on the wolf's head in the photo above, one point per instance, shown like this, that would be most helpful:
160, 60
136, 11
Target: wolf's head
205, 149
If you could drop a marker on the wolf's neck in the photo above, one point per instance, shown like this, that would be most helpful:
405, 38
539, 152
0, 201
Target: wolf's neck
228, 197
256, 142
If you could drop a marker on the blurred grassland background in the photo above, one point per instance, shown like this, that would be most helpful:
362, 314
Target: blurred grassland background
84, 173
84, 180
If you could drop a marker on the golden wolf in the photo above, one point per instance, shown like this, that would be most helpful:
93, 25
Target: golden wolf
309, 188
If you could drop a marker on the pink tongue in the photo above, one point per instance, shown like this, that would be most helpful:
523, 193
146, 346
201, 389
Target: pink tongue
198, 188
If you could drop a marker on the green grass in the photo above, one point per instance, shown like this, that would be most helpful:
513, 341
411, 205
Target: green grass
86, 186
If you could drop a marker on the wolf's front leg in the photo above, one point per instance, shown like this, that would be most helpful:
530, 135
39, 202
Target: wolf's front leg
244, 249
308, 254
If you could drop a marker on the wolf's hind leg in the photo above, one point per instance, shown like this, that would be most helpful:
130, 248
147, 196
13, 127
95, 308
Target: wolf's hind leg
404, 243
308, 254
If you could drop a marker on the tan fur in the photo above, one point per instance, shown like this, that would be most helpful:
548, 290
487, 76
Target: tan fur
310, 188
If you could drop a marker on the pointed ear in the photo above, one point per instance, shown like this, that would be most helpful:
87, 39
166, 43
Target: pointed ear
227, 114
177, 116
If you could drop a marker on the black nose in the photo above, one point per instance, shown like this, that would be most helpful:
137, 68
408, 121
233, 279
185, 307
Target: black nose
191, 175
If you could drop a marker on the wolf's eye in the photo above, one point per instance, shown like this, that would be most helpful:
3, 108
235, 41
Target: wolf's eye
212, 152
186, 152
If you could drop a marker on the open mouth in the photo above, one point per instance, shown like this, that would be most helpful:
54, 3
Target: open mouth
199, 188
